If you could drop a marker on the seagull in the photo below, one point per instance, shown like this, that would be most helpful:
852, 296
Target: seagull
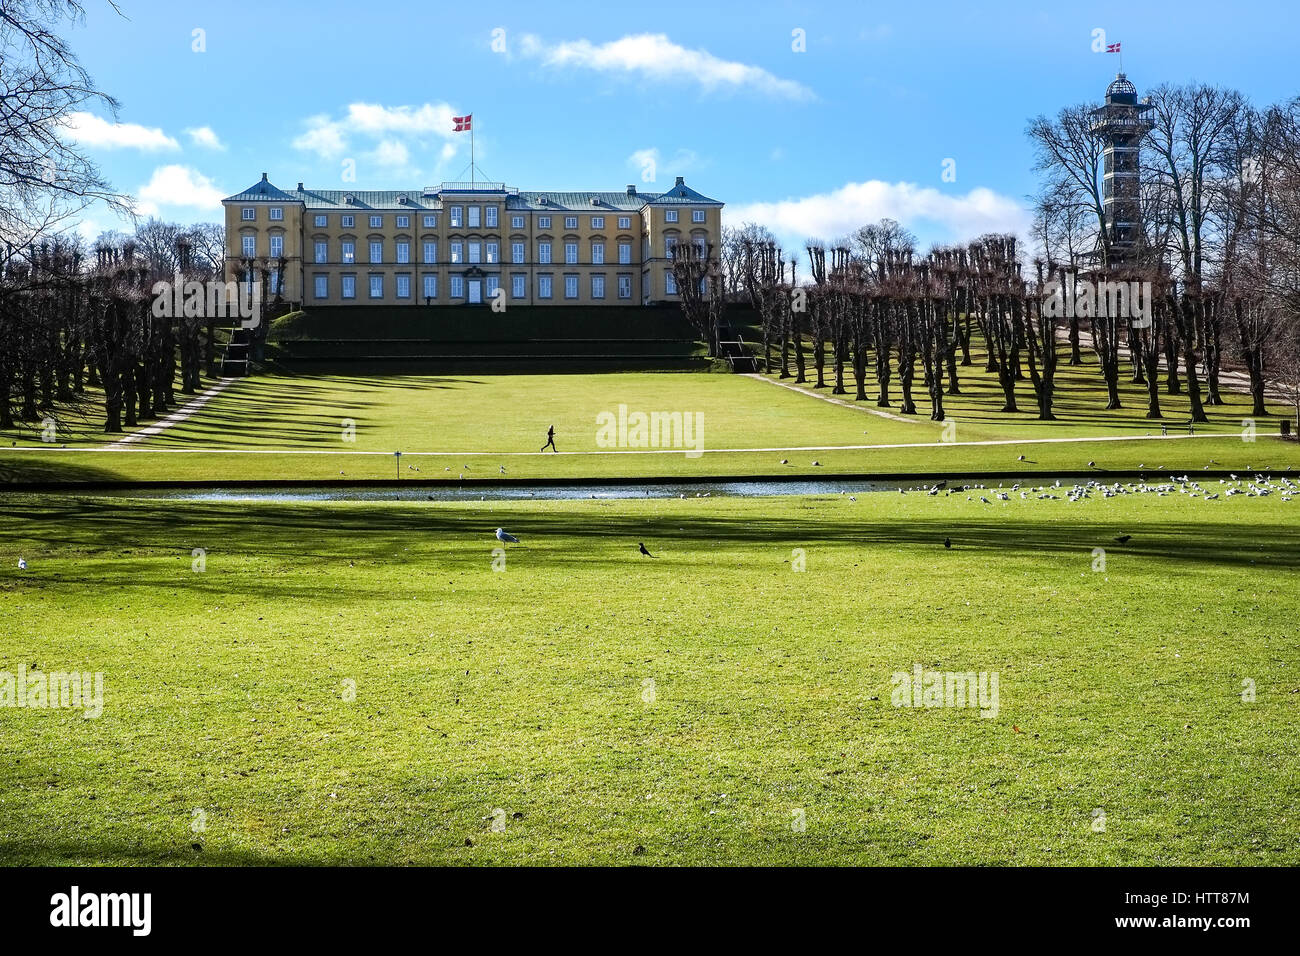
641, 547
1021, 458
1124, 538
785, 461
505, 536
22, 564
817, 464
503, 469
1092, 464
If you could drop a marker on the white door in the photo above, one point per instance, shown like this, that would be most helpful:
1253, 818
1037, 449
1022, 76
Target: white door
475, 291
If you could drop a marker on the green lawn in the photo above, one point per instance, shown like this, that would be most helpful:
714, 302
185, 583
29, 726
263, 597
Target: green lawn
348, 425
526, 690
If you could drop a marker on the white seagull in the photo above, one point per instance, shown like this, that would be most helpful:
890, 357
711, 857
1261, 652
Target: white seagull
505, 536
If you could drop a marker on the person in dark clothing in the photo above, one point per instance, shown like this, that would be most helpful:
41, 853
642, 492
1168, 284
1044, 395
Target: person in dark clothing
550, 440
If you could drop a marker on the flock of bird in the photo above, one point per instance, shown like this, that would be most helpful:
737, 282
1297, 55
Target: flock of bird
1259, 486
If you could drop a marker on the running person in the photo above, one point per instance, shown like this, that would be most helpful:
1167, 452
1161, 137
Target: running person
550, 440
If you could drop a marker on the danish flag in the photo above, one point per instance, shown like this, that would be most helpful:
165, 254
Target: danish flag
462, 123
1112, 47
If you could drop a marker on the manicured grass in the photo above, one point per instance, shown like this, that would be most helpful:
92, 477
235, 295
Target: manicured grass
486, 421
526, 690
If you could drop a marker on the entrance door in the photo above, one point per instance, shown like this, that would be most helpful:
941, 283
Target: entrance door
475, 291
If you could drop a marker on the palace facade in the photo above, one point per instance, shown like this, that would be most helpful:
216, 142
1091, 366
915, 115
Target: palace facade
458, 243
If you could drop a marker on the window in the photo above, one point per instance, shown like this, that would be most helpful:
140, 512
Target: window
598, 253
493, 252
376, 252
349, 252
543, 252
431, 252
403, 222
570, 287
456, 216
249, 246
697, 215
625, 287
403, 252
376, 287
475, 251
376, 222
669, 243
322, 252
474, 221
570, 222
597, 222
248, 214
277, 247
490, 285
702, 245
518, 285
403, 287
275, 281
348, 222
320, 222
543, 287
598, 287
430, 222
322, 287
458, 252
349, 287
516, 222
277, 213
458, 287
670, 284
625, 252
570, 252
516, 252
491, 217
670, 215
431, 287
543, 222
625, 222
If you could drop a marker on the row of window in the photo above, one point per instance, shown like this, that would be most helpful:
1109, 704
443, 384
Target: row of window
478, 216
472, 251
469, 288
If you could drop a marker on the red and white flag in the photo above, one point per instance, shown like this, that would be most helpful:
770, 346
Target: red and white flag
462, 122
1112, 48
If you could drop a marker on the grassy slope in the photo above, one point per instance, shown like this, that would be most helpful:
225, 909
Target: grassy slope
509, 413
523, 690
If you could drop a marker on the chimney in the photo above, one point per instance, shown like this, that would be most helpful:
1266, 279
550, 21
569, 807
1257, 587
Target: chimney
263, 177
300, 189
631, 189
680, 180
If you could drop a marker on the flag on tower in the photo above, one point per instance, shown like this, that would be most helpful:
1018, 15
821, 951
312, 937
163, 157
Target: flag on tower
1112, 48
462, 123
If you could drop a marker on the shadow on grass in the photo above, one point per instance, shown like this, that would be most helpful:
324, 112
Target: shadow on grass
54, 467
304, 535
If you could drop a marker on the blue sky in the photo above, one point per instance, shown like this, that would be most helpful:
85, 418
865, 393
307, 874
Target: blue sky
855, 126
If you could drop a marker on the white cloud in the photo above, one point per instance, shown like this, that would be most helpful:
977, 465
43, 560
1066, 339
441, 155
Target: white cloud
91, 130
331, 137
924, 210
205, 137
391, 152
653, 56
178, 186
